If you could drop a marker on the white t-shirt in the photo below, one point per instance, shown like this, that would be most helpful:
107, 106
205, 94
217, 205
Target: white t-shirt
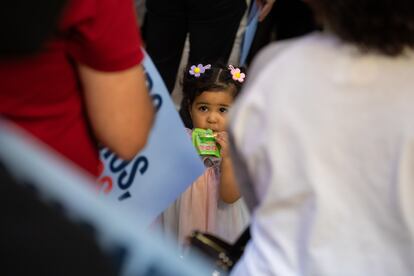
326, 135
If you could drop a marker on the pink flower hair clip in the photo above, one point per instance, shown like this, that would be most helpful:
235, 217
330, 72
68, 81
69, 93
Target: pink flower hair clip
236, 74
196, 71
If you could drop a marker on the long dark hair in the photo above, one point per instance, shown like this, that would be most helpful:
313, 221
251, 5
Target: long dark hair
385, 26
217, 78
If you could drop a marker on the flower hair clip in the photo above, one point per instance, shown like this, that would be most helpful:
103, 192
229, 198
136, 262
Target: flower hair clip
196, 71
236, 74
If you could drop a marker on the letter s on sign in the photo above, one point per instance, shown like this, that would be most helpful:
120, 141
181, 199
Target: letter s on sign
125, 184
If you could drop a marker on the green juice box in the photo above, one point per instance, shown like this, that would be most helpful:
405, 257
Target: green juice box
204, 141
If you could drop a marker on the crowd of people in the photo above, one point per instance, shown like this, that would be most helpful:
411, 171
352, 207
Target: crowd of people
315, 137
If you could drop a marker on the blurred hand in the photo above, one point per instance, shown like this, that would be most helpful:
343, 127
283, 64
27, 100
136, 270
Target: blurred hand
265, 7
223, 139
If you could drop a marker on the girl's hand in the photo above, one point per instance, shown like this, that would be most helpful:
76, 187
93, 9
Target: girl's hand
228, 188
222, 139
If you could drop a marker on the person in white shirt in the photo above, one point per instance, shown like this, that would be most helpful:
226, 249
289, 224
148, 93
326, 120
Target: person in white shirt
323, 137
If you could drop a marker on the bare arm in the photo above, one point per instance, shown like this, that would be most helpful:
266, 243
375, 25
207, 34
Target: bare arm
228, 189
119, 108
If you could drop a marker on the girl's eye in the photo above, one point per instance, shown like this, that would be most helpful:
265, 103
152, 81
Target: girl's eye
224, 109
203, 108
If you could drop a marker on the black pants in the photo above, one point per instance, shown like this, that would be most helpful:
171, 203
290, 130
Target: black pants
212, 26
287, 19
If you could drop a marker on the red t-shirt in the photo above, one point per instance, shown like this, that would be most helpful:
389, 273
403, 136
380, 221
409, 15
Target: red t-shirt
42, 93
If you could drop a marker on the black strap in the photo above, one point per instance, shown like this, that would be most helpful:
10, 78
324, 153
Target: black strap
238, 247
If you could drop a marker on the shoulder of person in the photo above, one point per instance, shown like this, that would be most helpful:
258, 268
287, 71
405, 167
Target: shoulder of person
279, 64
288, 50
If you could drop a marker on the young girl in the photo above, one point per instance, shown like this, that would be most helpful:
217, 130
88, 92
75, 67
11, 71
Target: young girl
212, 203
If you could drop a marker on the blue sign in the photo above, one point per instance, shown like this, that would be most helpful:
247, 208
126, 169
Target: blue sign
160, 172
119, 233
249, 32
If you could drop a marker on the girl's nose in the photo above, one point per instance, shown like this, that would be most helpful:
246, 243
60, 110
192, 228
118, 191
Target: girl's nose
212, 118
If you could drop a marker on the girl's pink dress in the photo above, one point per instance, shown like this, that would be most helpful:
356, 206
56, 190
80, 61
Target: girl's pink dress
200, 208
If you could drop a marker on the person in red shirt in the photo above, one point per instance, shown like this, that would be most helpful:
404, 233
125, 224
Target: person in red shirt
85, 86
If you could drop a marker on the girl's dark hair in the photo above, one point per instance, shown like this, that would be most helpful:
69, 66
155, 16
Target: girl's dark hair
217, 78
385, 26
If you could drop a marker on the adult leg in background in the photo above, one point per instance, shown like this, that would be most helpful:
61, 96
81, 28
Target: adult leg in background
164, 32
293, 18
213, 27
287, 19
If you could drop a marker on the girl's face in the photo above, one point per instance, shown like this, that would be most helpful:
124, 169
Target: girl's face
210, 109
